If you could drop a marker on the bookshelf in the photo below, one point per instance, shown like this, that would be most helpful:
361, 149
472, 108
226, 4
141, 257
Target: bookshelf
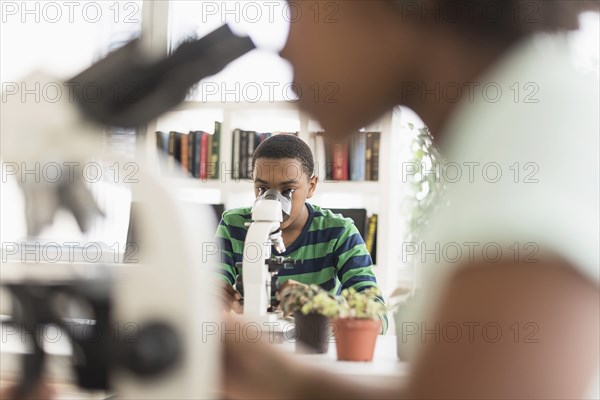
377, 197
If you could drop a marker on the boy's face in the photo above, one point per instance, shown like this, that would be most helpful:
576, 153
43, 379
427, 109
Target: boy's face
287, 176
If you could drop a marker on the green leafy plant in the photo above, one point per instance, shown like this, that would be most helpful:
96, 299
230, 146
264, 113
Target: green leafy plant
426, 189
312, 299
309, 299
362, 305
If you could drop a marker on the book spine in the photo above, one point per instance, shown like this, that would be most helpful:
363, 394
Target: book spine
190, 153
340, 162
353, 157
244, 155
209, 164
184, 153
370, 239
329, 165
198, 152
203, 155
360, 160
375, 157
171, 150
345, 156
235, 154
252, 138
177, 149
368, 155
216, 148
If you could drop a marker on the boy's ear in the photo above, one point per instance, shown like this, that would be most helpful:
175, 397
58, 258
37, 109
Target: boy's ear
312, 186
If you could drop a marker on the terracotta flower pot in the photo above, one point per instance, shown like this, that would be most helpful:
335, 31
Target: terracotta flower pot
312, 333
355, 338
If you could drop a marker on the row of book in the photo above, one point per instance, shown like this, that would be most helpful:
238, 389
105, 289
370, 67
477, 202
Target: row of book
196, 152
355, 160
244, 144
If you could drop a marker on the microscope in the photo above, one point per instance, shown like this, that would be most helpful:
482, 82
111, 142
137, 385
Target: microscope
260, 268
168, 296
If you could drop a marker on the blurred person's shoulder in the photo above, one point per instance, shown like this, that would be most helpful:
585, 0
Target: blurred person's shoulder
526, 148
526, 101
521, 170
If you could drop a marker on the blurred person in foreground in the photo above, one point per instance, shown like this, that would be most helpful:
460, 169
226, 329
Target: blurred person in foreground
528, 231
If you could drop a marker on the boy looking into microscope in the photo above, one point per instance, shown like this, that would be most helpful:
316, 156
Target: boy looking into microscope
333, 252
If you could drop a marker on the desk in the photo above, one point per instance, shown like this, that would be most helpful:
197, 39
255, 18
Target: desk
385, 369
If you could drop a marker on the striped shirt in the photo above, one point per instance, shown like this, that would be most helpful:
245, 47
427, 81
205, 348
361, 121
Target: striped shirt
333, 253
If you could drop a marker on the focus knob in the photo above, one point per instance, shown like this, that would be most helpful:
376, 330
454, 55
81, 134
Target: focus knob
157, 350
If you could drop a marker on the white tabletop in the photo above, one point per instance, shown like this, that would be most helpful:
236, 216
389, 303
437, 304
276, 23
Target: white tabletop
385, 369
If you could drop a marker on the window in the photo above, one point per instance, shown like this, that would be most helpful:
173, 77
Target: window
260, 75
62, 39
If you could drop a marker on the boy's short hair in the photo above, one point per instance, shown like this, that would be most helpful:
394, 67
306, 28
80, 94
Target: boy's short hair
286, 146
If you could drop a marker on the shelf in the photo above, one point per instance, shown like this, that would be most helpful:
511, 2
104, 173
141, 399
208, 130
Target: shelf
329, 186
343, 186
237, 106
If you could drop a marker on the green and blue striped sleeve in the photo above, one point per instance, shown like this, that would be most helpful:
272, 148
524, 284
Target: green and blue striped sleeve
354, 265
226, 268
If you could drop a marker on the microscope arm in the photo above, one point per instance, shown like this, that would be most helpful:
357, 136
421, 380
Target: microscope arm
256, 277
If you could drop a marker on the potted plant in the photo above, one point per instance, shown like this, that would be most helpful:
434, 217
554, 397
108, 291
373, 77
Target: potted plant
357, 324
312, 308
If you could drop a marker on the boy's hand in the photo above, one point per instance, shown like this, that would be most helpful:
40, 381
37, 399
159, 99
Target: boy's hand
232, 299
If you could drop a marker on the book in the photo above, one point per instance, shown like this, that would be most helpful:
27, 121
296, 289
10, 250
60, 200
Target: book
352, 150
235, 154
375, 156
354, 157
340, 162
197, 152
253, 139
203, 155
216, 148
244, 154
362, 145
371, 239
191, 153
171, 151
184, 153
209, 163
177, 148
368, 155
329, 165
